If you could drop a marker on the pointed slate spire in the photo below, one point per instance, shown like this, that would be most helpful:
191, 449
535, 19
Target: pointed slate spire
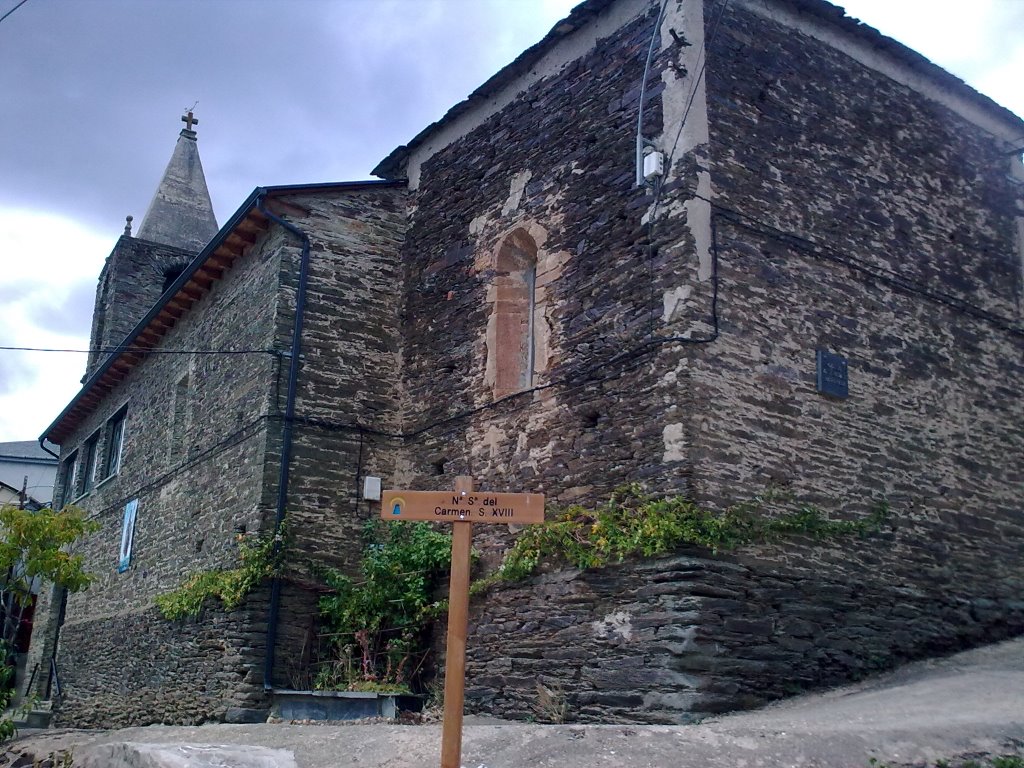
181, 213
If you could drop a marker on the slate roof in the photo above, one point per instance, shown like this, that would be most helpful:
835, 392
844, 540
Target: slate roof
23, 450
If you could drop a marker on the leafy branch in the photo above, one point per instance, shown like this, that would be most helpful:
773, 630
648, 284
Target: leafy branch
632, 523
375, 626
34, 547
259, 559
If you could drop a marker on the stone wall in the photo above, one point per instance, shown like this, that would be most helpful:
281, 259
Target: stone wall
130, 283
675, 340
865, 219
548, 164
138, 668
348, 390
678, 638
202, 454
198, 487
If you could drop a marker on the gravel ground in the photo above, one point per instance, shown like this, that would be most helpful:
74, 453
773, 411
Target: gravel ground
952, 711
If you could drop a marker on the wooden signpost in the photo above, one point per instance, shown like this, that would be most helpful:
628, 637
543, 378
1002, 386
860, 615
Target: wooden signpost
463, 507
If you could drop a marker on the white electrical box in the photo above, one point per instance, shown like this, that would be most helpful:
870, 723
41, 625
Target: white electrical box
654, 165
371, 488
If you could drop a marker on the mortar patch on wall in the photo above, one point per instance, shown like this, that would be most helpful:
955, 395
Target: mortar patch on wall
619, 623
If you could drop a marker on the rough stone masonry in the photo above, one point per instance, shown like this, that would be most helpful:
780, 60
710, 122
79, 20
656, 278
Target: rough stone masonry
513, 307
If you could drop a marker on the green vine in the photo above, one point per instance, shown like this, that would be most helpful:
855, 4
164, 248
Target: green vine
374, 626
34, 547
632, 523
259, 558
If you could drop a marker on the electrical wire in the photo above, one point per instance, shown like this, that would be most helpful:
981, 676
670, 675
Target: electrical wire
643, 90
626, 361
632, 358
655, 206
237, 437
13, 10
875, 271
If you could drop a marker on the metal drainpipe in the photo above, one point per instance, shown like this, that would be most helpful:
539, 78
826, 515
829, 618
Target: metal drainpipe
42, 440
286, 433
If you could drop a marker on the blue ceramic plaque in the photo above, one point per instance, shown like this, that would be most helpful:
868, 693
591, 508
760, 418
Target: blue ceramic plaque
832, 378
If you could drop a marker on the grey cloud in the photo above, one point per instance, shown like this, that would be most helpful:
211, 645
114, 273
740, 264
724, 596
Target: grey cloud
13, 372
17, 291
71, 316
288, 91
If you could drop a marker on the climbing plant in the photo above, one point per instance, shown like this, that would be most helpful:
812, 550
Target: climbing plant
374, 625
633, 523
259, 558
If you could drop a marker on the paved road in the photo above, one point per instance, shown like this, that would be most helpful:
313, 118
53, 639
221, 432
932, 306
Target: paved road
972, 702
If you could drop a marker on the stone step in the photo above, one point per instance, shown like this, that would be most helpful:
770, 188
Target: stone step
134, 755
37, 717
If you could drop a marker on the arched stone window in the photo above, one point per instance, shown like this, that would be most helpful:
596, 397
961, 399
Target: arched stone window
512, 331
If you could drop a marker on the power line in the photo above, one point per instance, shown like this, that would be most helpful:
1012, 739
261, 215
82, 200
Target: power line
13, 9
876, 271
227, 442
652, 227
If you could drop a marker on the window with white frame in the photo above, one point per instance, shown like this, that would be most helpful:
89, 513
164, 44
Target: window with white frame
115, 442
68, 478
90, 468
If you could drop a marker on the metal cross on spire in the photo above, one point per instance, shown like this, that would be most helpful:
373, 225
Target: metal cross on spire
189, 120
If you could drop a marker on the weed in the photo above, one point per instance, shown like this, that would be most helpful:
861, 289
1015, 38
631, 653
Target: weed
551, 706
259, 558
633, 523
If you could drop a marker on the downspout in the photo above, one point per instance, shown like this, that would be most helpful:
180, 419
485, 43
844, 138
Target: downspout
42, 440
286, 434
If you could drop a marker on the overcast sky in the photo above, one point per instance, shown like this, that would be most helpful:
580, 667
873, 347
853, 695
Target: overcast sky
288, 91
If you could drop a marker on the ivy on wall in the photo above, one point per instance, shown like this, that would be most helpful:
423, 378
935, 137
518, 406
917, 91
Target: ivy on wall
633, 523
259, 559
375, 626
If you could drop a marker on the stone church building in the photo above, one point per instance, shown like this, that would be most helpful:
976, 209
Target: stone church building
822, 288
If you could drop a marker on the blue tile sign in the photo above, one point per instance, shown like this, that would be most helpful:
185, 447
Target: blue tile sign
832, 379
127, 535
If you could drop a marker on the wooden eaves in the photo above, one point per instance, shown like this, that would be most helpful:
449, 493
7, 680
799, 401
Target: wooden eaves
212, 263
235, 238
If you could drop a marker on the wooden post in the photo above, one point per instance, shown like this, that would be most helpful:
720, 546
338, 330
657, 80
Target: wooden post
459, 508
458, 621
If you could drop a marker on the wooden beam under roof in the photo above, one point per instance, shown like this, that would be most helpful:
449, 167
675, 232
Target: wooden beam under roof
191, 290
243, 235
284, 208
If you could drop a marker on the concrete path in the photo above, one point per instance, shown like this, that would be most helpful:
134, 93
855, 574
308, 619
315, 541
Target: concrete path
969, 703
